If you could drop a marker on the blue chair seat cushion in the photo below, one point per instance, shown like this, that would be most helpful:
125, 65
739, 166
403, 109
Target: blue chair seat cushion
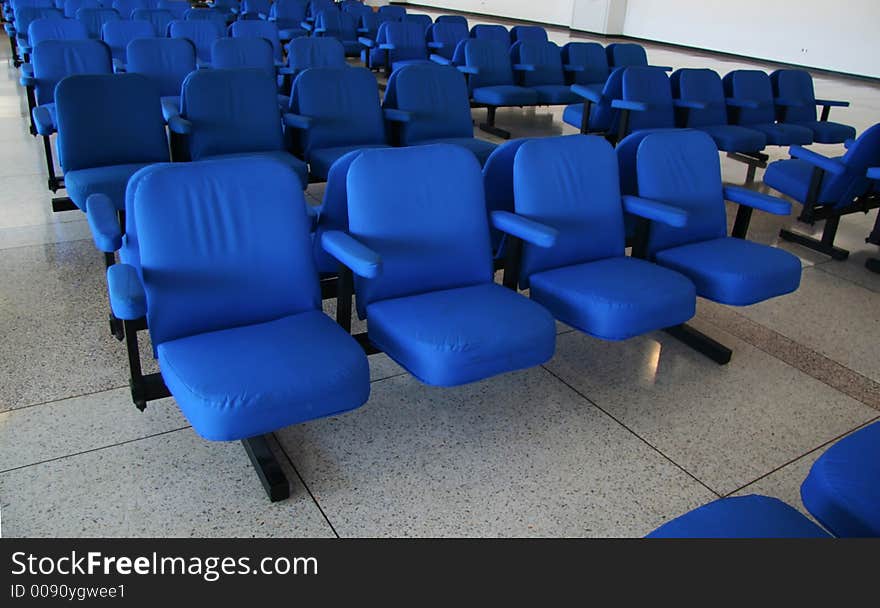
733, 138
615, 298
556, 94
246, 381
505, 95
842, 490
460, 335
480, 147
734, 271
573, 115
280, 155
110, 180
790, 177
321, 159
825, 132
749, 516
405, 62
783, 134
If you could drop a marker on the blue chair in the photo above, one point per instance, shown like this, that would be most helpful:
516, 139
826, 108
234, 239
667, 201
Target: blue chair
117, 35
403, 44
332, 112
492, 82
167, 62
429, 104
681, 168
456, 19
828, 188
125, 7
796, 104
498, 184
56, 29
177, 8
645, 102
260, 29
395, 11
201, 33
53, 61
370, 25
424, 20
71, 6
234, 53
316, 6
750, 104
206, 14
288, 15
432, 306
354, 7
626, 54
481, 31
232, 114
568, 187
158, 18
331, 23
95, 18
23, 19
229, 8
305, 53
443, 38
542, 71
586, 64
109, 126
527, 33
332, 214
255, 9
232, 301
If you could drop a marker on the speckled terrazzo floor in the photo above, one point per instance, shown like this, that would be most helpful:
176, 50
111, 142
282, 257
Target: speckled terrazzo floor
606, 439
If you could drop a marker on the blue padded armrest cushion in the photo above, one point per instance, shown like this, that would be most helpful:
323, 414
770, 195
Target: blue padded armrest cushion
320, 30
573, 68
366, 42
104, 223
832, 102
757, 200
306, 26
396, 115
26, 70
297, 121
362, 260
874, 173
468, 69
686, 103
387, 46
523, 67
586, 93
286, 71
439, 59
830, 165
742, 103
655, 211
528, 230
178, 124
43, 120
127, 298
435, 45
627, 104
848, 143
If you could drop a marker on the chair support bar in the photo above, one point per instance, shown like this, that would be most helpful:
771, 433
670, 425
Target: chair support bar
267, 467
700, 342
489, 125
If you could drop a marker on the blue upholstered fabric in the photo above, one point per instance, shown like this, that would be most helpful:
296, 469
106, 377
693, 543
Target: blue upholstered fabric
200, 32
499, 33
216, 16
158, 18
322, 159
355, 7
71, 6
797, 86
54, 60
56, 29
455, 19
235, 313
527, 33
331, 23
333, 213
101, 147
749, 516
259, 29
117, 35
232, 53
626, 54
27, 15
602, 116
842, 490
650, 86
498, 184
424, 21
590, 56
505, 95
448, 35
408, 40
255, 8
304, 53
494, 84
288, 15
753, 86
167, 61
546, 77
394, 11
95, 18
480, 148
177, 8
316, 6
125, 7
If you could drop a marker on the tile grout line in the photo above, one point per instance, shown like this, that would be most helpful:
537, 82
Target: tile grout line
14, 247
639, 437
50, 401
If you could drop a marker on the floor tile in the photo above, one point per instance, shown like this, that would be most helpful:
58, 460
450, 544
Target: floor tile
58, 232
171, 485
516, 455
26, 202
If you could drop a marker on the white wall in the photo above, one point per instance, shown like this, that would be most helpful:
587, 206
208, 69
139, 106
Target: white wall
555, 12
841, 35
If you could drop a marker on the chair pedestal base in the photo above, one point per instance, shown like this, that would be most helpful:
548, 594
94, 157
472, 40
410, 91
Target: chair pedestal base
822, 246
63, 203
700, 342
267, 467
873, 264
489, 126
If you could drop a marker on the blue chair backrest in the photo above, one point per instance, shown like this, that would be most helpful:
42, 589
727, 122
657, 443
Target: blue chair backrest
625, 54
481, 31
56, 29
438, 98
167, 61
408, 40
424, 20
546, 59
125, 7
177, 8
704, 86
569, 183
353, 7
457, 19
589, 55
681, 168
54, 60
863, 153
304, 53
112, 119
20, 4
649, 85
450, 34
795, 85
233, 53
259, 7
157, 17
394, 11
750, 85
371, 22
206, 14
238, 256
27, 15
226, 6
95, 18
527, 33
259, 29
343, 104
288, 13
342, 26
603, 116
334, 209
498, 183
200, 32
117, 35
423, 210
316, 6
71, 6
491, 59
232, 111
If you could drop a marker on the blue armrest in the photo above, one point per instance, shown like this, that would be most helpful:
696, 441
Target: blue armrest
27, 80
170, 107
435, 45
528, 230
387, 46
27, 70
788, 103
127, 298
104, 223
362, 260
687, 103
178, 124
757, 200
873, 173
439, 59
523, 67
655, 211
831, 165
43, 120
366, 42
742, 103
297, 121
573, 68
586, 93
847, 143
320, 30
306, 26
396, 115
832, 103
627, 104
118, 66
468, 69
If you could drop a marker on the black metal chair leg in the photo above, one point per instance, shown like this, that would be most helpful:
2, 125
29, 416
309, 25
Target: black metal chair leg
700, 342
267, 467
